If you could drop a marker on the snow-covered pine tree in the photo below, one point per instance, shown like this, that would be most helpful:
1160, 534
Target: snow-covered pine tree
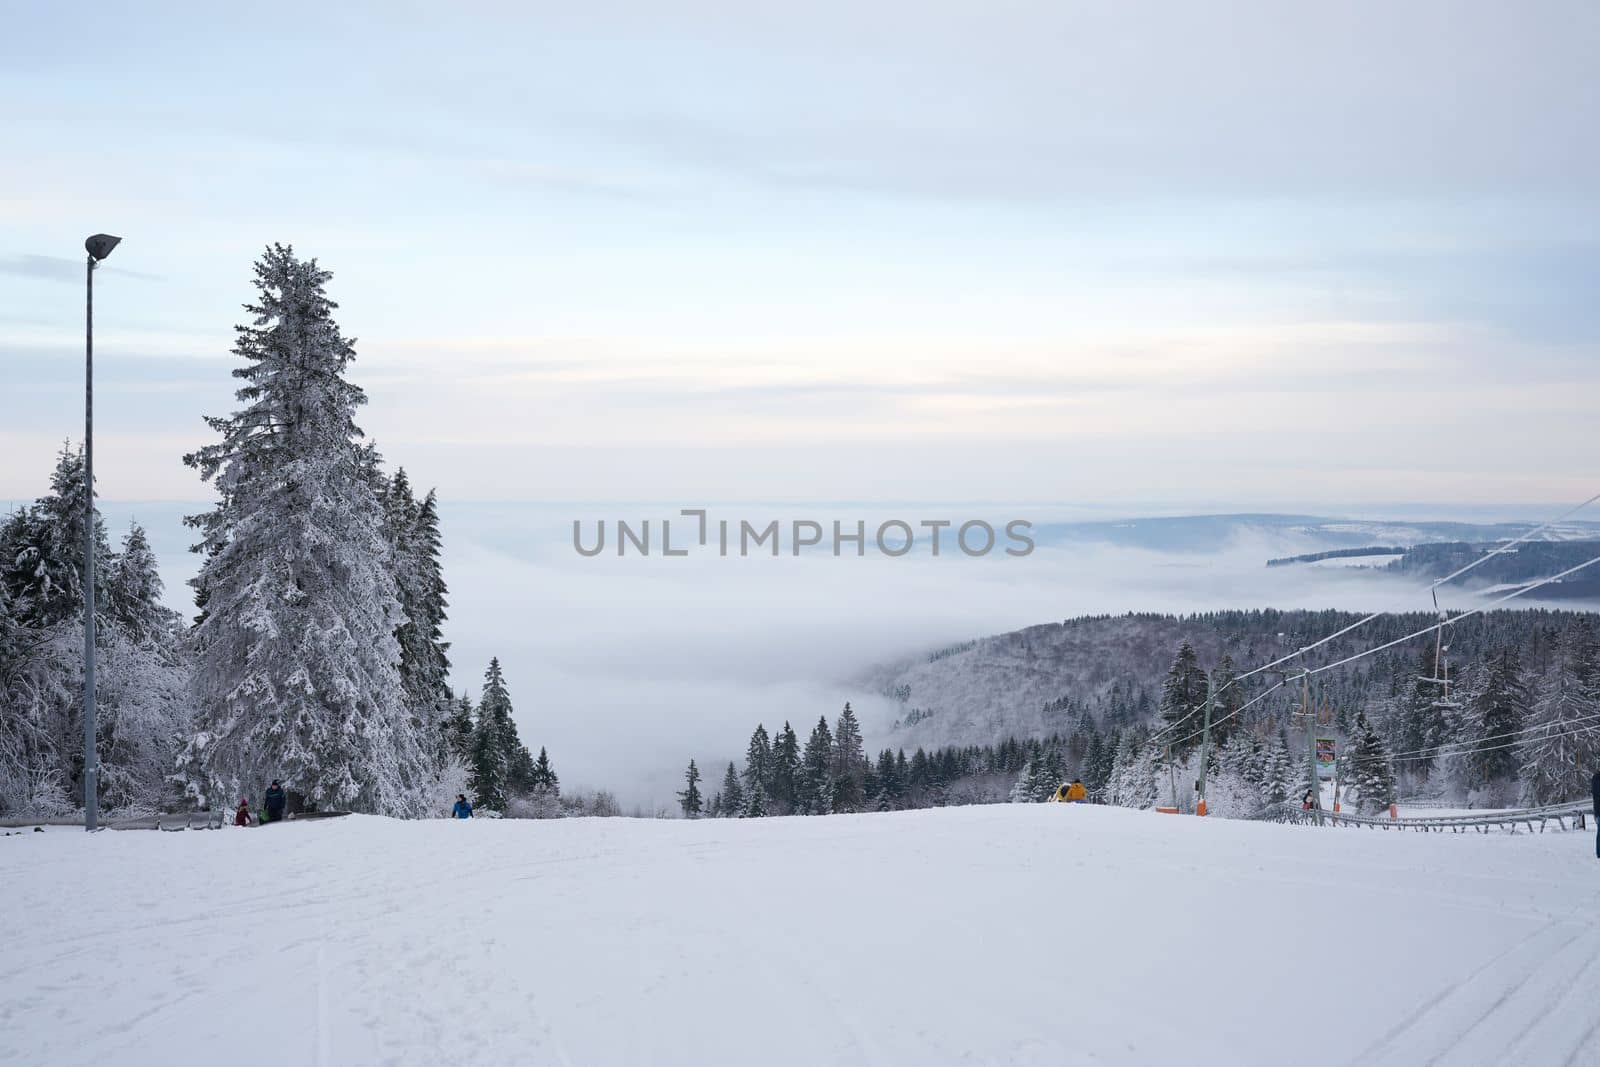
544, 789
757, 765
1278, 772
143, 705
499, 756
849, 763
1036, 783
489, 763
1497, 715
1370, 772
816, 771
1182, 692
1230, 697
458, 728
43, 565
133, 591
1422, 723
689, 797
1134, 782
785, 770
755, 803
412, 528
1561, 748
732, 794
296, 665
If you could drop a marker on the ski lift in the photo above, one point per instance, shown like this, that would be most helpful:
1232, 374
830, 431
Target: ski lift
1441, 672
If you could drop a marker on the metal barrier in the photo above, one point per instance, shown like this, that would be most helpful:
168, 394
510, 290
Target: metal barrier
1535, 819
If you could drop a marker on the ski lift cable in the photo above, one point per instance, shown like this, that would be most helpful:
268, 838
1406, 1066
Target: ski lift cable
1237, 711
1466, 748
1453, 619
1297, 653
1509, 744
1511, 544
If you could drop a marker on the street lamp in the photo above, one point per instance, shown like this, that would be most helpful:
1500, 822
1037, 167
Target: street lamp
99, 247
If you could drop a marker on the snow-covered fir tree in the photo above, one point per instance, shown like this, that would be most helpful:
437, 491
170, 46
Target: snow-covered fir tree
296, 663
544, 788
1369, 773
755, 803
732, 795
849, 763
815, 786
501, 765
1561, 748
785, 770
143, 706
689, 797
458, 728
757, 767
1183, 691
1497, 714
1230, 697
412, 527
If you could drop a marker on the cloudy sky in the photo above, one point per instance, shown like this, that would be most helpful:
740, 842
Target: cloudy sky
1162, 255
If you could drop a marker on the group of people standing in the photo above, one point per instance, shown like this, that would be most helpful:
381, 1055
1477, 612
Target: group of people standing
275, 801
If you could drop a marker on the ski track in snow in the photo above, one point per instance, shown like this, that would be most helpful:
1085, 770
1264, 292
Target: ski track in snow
1007, 935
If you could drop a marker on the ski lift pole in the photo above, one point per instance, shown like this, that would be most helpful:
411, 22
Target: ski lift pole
1311, 746
1205, 753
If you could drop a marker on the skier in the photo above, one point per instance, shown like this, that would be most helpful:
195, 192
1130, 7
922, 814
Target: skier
241, 817
1594, 783
462, 810
275, 802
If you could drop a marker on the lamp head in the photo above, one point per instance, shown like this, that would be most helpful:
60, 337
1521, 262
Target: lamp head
100, 245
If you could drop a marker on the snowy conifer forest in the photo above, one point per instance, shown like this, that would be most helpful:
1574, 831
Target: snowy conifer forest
316, 655
1114, 701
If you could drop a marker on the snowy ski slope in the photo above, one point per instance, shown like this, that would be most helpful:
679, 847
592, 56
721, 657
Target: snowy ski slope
1010, 935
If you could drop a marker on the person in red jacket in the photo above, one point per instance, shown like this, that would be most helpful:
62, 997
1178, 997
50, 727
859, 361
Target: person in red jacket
242, 816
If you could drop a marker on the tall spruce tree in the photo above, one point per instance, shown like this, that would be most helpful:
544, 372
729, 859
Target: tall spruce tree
1183, 691
458, 729
501, 766
816, 771
1497, 714
785, 770
757, 766
544, 788
143, 680
1561, 748
296, 664
412, 528
1230, 698
1371, 770
732, 794
849, 763
689, 798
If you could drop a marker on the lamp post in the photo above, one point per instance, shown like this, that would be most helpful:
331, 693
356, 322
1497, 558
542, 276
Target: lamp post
99, 247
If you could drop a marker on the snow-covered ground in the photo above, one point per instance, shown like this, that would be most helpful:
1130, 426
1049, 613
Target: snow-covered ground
1004, 935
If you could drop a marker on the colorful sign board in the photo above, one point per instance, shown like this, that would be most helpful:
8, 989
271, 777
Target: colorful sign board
1327, 757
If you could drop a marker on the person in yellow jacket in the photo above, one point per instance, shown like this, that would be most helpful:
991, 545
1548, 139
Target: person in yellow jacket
1072, 794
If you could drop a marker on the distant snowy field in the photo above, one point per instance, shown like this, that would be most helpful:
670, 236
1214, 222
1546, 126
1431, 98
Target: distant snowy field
1005, 935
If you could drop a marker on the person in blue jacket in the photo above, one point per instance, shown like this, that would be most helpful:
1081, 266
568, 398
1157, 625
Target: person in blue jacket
276, 801
463, 810
1594, 783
